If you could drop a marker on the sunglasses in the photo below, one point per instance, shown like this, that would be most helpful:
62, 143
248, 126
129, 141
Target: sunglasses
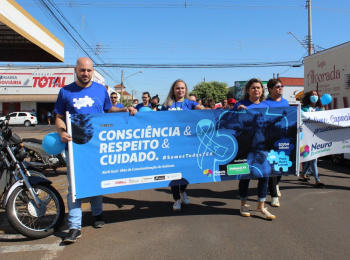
113, 97
279, 86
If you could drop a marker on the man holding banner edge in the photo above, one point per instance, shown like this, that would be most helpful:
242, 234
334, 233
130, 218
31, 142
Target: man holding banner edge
82, 97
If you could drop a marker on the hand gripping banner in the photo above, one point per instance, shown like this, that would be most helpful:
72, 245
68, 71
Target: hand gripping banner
116, 152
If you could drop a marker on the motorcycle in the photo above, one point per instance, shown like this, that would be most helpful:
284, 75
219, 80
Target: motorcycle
33, 207
37, 156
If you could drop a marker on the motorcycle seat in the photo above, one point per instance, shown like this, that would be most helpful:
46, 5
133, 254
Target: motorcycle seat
32, 140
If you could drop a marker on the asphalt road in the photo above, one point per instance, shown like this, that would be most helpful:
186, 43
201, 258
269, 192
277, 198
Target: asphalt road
38, 131
310, 224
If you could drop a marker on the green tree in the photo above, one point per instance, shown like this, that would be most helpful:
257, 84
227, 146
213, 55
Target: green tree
213, 89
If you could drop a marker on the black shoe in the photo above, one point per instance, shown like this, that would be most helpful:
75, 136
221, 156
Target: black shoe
99, 221
73, 235
319, 184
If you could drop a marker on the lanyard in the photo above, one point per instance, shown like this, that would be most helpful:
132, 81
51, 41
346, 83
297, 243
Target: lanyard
182, 104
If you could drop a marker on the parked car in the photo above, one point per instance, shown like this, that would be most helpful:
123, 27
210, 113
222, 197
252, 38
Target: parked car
341, 158
21, 118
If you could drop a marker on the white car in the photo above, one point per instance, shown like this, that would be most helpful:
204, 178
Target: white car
21, 118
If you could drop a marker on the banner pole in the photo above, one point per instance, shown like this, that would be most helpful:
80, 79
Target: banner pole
71, 160
300, 129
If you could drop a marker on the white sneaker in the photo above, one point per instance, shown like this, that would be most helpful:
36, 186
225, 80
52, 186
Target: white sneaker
184, 199
177, 205
265, 213
275, 202
278, 191
245, 211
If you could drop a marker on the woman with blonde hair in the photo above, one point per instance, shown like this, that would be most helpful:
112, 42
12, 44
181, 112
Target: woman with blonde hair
178, 99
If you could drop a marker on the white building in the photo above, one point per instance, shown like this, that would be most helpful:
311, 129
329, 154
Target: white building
328, 72
25, 88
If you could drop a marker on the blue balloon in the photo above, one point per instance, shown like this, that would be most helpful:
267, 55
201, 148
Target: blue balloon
52, 144
145, 109
326, 99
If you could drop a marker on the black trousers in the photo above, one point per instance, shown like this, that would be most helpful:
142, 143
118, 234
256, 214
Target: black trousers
273, 181
177, 189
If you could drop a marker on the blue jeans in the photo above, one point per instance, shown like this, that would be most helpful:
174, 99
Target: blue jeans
262, 188
74, 208
312, 165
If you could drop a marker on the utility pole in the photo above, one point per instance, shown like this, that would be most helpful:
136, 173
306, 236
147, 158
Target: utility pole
122, 86
308, 5
122, 83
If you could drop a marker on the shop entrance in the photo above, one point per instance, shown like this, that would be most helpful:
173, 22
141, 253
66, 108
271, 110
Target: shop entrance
42, 112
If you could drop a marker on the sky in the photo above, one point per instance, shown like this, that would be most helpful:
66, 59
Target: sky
134, 35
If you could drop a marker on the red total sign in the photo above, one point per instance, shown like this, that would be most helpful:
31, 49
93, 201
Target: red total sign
50, 82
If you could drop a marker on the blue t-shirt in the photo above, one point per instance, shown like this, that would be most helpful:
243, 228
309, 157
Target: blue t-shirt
272, 103
78, 100
119, 105
138, 106
247, 103
183, 105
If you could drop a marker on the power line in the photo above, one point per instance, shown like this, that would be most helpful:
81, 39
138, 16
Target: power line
66, 29
162, 4
214, 65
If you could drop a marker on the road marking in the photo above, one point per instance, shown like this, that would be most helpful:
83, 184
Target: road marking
53, 249
11, 236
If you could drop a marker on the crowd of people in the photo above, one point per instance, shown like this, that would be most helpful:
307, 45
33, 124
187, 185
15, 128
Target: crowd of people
178, 98
154, 102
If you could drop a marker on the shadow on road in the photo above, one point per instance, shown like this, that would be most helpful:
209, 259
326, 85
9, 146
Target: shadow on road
141, 209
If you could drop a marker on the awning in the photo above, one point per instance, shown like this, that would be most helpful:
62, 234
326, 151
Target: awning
22, 38
21, 98
299, 96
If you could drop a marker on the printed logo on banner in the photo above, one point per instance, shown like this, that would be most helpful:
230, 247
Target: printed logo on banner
280, 161
238, 169
285, 145
208, 172
345, 144
146, 179
304, 150
134, 180
320, 148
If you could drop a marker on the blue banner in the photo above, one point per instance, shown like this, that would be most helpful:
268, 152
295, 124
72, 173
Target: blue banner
116, 152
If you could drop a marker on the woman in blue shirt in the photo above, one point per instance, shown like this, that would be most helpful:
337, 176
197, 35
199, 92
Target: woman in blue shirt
253, 98
178, 99
275, 99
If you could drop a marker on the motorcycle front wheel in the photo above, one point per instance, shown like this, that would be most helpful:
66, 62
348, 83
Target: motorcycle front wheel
31, 221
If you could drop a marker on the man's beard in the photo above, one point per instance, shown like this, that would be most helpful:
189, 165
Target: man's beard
84, 83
